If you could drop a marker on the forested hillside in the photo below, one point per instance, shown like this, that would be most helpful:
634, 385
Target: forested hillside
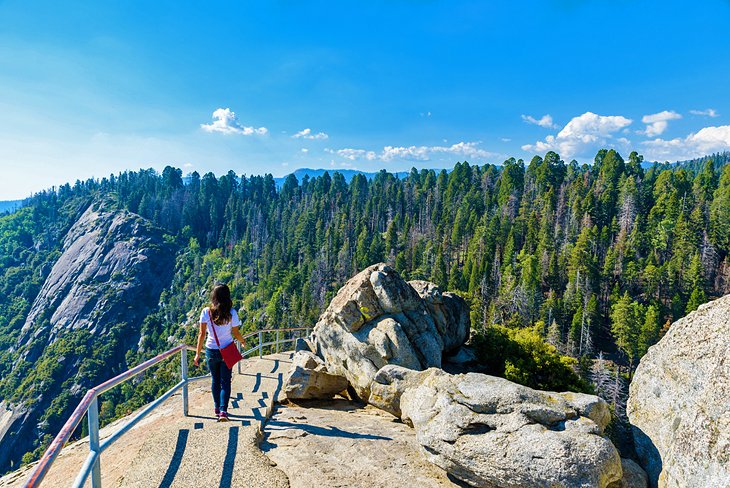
596, 259
720, 160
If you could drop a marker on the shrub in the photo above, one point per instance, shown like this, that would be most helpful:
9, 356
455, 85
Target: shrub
523, 356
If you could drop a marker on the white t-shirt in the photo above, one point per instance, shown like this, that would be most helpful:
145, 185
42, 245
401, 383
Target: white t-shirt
222, 331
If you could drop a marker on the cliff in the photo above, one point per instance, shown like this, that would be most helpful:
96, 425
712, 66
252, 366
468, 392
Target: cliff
87, 315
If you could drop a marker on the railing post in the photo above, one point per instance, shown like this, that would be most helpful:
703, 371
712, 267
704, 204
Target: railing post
239, 362
261, 341
184, 378
277, 342
93, 414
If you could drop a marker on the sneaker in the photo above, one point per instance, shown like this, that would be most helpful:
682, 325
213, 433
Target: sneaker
223, 417
217, 413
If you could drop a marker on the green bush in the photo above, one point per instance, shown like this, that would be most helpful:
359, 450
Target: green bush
523, 356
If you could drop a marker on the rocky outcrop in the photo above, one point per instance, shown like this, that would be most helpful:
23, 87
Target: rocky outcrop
378, 319
633, 476
308, 379
109, 277
488, 431
679, 402
340, 444
449, 311
113, 267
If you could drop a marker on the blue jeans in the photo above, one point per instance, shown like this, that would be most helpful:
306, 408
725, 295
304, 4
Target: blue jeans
221, 375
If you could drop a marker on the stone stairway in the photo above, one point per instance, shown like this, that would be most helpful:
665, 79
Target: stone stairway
167, 449
199, 451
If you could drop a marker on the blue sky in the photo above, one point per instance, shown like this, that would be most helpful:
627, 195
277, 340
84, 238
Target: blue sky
92, 89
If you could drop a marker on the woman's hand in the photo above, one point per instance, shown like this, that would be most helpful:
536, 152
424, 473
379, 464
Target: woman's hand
236, 333
201, 340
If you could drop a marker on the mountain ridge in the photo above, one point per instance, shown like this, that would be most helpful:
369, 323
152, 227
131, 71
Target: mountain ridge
300, 173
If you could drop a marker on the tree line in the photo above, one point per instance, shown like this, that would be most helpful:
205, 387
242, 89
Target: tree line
572, 261
601, 255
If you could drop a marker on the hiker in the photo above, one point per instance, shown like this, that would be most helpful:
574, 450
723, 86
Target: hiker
221, 324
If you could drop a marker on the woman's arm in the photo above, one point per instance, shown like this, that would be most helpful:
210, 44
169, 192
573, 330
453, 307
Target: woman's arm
236, 333
201, 339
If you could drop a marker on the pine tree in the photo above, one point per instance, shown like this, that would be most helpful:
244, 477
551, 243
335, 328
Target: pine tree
624, 326
554, 336
720, 211
574, 335
649, 330
362, 250
376, 251
696, 299
438, 274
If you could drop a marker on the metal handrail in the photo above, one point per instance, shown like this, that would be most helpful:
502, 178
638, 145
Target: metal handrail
263, 331
262, 344
89, 404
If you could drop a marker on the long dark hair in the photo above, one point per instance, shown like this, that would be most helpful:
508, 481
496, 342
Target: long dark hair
220, 304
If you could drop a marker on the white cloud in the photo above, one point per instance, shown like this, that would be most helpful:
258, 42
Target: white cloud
188, 165
417, 153
544, 121
414, 153
706, 141
424, 153
583, 134
468, 149
505, 139
353, 154
305, 150
307, 134
657, 123
710, 112
226, 122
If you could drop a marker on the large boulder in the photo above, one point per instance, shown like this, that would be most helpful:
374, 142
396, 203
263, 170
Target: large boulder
679, 402
490, 432
449, 311
308, 379
376, 319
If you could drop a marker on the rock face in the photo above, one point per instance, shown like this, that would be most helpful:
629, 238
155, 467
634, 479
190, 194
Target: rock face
490, 432
109, 276
113, 267
377, 318
449, 311
633, 476
679, 402
308, 379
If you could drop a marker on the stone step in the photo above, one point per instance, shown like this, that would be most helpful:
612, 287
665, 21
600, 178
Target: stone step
167, 449
199, 451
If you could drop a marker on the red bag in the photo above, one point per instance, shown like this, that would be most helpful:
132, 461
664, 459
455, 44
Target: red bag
231, 354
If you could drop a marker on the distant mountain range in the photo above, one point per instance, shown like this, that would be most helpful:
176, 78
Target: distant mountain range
347, 173
720, 159
10, 205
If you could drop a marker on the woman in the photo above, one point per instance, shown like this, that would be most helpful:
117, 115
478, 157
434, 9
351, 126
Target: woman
219, 319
